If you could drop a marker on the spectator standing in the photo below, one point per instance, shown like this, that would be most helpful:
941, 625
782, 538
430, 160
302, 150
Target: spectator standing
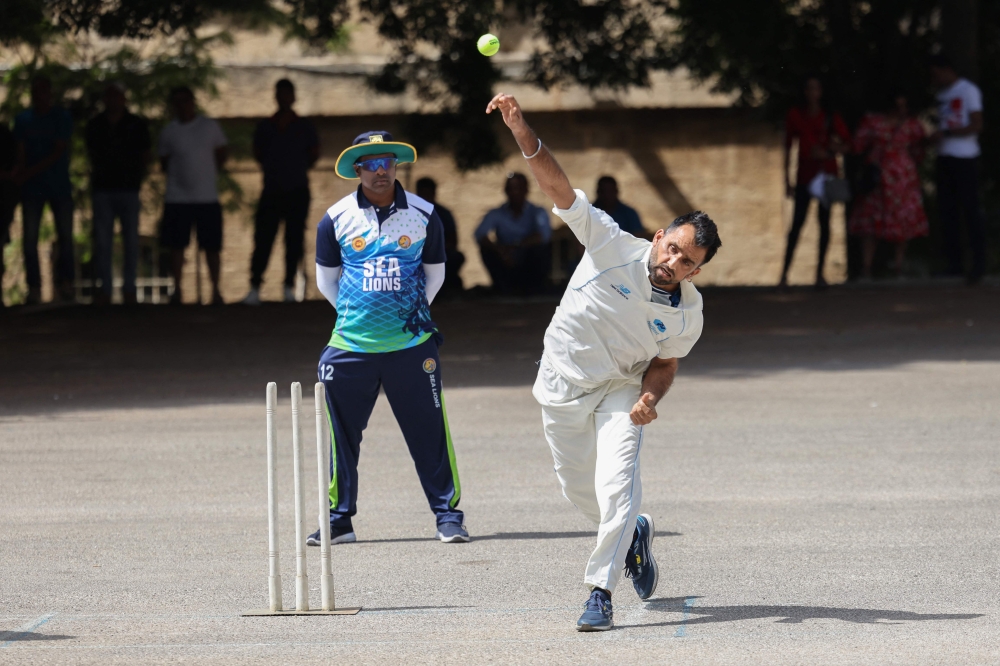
42, 134
889, 205
960, 121
520, 257
454, 260
821, 134
626, 216
118, 146
192, 152
286, 146
8, 193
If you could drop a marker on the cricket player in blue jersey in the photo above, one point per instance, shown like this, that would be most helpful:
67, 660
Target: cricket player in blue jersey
380, 261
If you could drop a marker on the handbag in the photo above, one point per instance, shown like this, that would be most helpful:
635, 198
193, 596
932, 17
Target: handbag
836, 190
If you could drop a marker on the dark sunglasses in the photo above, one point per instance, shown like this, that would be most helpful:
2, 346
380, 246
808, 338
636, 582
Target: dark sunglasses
378, 163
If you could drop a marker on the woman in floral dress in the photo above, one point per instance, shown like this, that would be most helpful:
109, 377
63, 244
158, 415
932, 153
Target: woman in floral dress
893, 209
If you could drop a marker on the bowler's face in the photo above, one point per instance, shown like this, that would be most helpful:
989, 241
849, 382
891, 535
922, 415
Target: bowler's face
675, 256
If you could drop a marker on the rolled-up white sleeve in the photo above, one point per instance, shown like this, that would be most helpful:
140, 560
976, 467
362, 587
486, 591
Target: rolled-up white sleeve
328, 282
435, 278
592, 226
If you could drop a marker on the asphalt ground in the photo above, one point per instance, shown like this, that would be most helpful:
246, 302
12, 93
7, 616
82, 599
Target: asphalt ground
824, 476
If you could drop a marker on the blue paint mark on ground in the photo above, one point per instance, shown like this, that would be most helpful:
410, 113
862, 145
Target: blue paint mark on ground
25, 630
682, 628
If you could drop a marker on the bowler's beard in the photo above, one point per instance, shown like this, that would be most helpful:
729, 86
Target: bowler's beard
654, 277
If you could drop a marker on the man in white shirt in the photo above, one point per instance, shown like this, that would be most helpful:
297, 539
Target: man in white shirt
629, 312
192, 151
960, 122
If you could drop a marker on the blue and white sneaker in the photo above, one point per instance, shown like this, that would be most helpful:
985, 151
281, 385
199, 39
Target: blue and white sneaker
597, 613
336, 536
640, 565
452, 533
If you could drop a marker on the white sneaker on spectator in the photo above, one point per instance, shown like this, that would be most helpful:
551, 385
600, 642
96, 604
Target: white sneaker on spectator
252, 297
289, 294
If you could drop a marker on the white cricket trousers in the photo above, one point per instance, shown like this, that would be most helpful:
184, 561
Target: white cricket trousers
595, 448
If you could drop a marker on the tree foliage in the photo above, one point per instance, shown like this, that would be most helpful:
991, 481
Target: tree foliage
614, 43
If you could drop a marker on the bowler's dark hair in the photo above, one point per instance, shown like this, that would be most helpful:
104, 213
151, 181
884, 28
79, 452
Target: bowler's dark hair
706, 234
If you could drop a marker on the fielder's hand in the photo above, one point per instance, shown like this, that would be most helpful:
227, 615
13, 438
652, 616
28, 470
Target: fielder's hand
509, 109
644, 411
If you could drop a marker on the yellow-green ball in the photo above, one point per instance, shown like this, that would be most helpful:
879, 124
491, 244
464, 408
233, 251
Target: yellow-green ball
488, 44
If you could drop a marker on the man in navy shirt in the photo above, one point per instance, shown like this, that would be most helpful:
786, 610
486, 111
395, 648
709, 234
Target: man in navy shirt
118, 146
42, 134
427, 190
626, 216
287, 146
380, 257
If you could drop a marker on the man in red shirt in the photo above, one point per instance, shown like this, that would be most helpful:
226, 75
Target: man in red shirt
821, 135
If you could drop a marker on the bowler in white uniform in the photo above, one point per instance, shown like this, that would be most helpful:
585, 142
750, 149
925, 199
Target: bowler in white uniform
629, 312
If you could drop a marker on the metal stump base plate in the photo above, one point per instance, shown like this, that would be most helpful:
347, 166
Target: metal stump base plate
271, 613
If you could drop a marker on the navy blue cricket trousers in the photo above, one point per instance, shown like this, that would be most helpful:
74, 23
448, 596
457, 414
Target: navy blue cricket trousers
412, 382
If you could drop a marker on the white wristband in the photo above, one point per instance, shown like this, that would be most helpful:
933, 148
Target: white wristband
535, 154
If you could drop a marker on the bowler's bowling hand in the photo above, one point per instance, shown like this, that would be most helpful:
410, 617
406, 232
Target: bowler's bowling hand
644, 411
509, 109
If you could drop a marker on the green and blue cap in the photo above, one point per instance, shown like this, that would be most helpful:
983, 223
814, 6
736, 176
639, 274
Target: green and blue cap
377, 142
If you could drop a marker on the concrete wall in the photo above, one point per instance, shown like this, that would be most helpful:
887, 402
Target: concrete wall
667, 162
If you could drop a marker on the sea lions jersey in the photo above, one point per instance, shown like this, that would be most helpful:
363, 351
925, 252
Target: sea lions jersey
382, 303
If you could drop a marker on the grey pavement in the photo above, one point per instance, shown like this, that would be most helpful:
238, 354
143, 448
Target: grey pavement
824, 475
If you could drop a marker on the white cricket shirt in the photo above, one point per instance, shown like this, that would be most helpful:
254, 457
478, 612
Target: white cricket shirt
606, 326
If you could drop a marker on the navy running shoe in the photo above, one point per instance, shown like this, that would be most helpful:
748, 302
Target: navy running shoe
336, 536
597, 613
452, 533
640, 565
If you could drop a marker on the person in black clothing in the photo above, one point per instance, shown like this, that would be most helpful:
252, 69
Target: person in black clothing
454, 260
287, 146
8, 192
118, 145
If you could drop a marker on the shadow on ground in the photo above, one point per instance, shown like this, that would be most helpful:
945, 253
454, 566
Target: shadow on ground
513, 536
7, 637
79, 357
785, 614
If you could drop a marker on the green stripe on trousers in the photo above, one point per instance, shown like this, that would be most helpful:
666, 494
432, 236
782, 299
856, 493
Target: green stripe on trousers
334, 493
451, 457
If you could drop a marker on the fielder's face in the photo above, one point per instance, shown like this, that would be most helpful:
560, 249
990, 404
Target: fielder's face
379, 181
675, 257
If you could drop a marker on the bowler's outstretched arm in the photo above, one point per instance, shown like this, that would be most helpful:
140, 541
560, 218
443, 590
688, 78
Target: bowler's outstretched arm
550, 176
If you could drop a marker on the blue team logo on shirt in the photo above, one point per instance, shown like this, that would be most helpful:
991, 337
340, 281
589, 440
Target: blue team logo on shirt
624, 289
659, 326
